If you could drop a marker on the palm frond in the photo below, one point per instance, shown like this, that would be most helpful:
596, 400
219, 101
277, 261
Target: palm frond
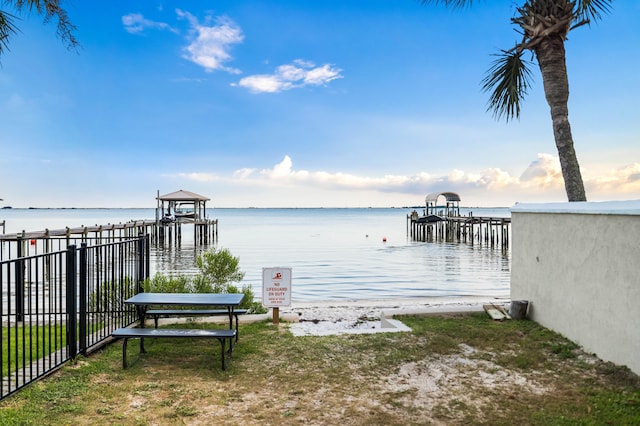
587, 10
65, 28
49, 9
7, 28
449, 3
508, 79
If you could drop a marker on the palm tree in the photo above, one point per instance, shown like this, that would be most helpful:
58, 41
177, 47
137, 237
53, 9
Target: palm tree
50, 9
544, 25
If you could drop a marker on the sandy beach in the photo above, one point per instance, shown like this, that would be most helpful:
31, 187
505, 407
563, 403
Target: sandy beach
359, 316
371, 316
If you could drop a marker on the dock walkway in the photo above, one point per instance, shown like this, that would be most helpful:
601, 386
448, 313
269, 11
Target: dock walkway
204, 231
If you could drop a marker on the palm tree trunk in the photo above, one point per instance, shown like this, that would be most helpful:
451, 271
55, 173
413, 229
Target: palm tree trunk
551, 58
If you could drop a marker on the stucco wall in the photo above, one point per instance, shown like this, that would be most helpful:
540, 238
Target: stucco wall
578, 265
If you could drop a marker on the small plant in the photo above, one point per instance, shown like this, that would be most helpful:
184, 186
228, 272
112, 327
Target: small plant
218, 271
218, 268
563, 350
109, 296
161, 283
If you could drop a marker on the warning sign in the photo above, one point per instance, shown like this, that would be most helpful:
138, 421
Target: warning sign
276, 287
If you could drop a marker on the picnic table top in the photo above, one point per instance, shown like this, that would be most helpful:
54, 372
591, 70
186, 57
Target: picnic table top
187, 299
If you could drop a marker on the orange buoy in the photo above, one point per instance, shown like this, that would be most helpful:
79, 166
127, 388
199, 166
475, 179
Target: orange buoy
384, 239
33, 242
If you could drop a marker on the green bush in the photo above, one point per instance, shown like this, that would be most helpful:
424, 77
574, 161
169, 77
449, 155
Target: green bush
110, 295
161, 283
218, 270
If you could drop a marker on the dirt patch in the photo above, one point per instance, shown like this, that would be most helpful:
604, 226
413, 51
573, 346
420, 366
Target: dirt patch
463, 378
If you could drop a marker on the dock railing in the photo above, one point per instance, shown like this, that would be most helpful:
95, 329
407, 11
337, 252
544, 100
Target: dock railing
60, 304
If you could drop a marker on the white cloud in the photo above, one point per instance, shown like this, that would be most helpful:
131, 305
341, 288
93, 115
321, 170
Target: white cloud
200, 177
243, 173
209, 45
625, 179
544, 172
135, 23
541, 181
298, 74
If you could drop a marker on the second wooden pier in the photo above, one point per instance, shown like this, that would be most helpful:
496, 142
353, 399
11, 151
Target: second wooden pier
444, 223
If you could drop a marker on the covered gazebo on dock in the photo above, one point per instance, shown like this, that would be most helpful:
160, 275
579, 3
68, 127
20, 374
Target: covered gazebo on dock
452, 207
182, 206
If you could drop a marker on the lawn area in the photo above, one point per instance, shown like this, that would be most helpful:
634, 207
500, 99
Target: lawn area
464, 369
29, 343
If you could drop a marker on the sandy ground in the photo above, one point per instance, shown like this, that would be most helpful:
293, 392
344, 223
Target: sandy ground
359, 317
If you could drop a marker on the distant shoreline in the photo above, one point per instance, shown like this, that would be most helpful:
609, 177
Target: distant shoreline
245, 208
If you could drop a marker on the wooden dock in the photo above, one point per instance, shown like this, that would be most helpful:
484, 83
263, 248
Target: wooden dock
109, 231
21, 243
488, 231
204, 230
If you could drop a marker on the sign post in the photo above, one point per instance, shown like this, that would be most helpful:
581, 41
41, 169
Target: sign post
276, 289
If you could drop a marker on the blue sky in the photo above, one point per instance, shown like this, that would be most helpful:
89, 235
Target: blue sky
299, 103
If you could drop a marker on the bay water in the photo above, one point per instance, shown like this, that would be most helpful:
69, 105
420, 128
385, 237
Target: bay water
335, 254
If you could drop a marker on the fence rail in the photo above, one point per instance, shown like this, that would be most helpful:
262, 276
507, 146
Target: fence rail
59, 304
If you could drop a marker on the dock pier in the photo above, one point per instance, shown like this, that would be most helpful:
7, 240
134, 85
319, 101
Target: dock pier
444, 223
28, 242
489, 231
204, 231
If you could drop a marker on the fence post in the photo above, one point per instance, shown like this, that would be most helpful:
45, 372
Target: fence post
71, 281
147, 252
141, 263
19, 290
83, 285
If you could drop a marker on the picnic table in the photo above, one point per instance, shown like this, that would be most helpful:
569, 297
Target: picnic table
144, 301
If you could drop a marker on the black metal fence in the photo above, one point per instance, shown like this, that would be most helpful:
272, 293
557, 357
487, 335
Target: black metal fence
59, 304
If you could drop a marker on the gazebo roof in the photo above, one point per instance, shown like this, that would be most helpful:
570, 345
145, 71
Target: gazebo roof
449, 196
183, 195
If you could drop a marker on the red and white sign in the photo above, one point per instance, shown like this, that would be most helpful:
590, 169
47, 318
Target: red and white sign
276, 287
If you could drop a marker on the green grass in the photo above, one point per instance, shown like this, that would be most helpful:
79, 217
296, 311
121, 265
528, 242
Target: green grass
276, 378
26, 344
29, 343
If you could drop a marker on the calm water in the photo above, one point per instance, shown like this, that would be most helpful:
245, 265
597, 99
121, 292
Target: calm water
335, 254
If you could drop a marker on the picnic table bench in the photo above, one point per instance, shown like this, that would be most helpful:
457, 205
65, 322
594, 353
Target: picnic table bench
157, 313
221, 335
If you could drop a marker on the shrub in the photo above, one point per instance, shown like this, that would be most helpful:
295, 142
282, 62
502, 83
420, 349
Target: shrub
218, 270
161, 283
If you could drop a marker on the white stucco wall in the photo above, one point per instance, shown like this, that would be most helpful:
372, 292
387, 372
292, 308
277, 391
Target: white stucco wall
578, 265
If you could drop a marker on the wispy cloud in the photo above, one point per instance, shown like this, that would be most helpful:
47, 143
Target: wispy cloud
136, 23
298, 74
209, 45
542, 177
